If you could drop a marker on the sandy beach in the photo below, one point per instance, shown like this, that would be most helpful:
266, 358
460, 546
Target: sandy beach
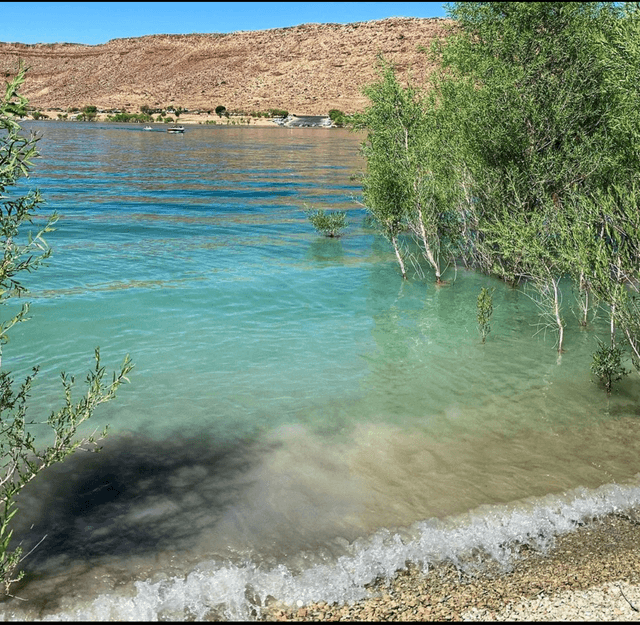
592, 573
186, 119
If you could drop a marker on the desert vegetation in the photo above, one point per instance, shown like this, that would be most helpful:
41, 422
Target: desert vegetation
520, 160
23, 455
330, 224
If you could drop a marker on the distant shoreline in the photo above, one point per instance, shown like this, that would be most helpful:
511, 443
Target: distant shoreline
184, 119
308, 121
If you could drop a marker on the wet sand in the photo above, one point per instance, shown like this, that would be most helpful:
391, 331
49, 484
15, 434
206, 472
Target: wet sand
592, 573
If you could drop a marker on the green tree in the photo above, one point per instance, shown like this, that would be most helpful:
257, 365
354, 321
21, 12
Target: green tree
386, 183
405, 186
546, 123
220, 110
606, 246
22, 458
89, 113
130, 117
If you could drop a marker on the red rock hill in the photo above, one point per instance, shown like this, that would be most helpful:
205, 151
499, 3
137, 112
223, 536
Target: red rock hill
306, 69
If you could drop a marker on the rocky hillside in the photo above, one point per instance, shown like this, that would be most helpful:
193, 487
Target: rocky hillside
306, 69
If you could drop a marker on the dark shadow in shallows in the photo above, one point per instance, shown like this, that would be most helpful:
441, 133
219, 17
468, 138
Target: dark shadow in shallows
137, 496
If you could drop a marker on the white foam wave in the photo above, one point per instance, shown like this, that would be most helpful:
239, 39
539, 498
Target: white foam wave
237, 592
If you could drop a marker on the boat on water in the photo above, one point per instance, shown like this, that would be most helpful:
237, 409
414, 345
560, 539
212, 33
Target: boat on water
147, 128
175, 129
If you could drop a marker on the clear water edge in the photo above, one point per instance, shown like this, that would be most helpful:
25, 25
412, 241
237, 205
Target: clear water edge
294, 404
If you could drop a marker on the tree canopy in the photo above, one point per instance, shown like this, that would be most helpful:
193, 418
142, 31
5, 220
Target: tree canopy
521, 156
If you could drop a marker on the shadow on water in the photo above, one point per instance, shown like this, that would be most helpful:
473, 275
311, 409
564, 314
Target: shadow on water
136, 497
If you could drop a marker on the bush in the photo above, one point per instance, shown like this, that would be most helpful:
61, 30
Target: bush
607, 365
338, 117
484, 310
329, 224
278, 113
21, 458
220, 110
130, 117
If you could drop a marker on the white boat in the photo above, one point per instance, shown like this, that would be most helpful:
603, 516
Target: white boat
176, 129
147, 128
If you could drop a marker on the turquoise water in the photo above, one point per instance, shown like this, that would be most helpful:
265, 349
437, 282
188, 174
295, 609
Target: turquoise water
294, 405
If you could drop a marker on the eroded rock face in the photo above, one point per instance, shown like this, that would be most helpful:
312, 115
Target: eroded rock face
307, 70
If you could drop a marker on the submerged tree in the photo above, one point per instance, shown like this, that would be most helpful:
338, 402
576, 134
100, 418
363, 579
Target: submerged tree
22, 458
538, 129
386, 183
608, 239
521, 157
543, 96
484, 310
402, 188
329, 224
607, 365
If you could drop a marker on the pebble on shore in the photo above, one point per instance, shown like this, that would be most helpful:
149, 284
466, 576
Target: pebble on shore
592, 573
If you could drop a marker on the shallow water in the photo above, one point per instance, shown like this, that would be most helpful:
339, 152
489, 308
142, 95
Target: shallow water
299, 420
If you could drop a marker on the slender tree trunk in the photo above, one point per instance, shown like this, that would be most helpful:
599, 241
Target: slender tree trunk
556, 312
396, 249
585, 303
613, 325
613, 305
427, 247
632, 343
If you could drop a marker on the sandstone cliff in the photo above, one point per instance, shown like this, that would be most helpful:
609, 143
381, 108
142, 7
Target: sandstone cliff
307, 69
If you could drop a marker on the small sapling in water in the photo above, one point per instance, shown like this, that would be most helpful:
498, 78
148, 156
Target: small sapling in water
329, 224
607, 365
484, 311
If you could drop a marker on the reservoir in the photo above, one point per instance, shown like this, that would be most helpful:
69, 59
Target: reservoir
300, 420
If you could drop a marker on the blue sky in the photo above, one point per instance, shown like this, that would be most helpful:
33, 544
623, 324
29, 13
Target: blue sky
97, 22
